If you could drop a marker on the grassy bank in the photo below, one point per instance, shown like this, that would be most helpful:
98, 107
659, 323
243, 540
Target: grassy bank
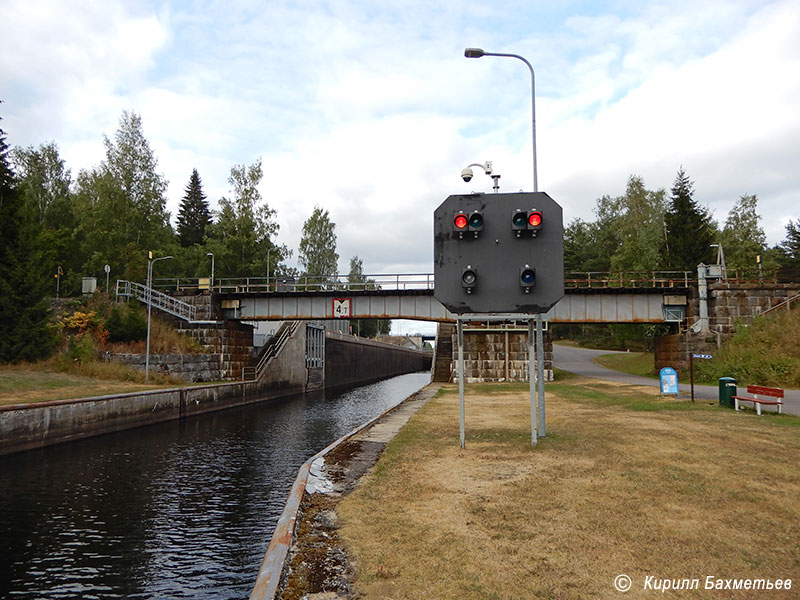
626, 482
57, 379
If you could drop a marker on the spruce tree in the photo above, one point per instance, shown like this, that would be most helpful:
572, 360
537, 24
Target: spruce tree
689, 228
194, 215
24, 309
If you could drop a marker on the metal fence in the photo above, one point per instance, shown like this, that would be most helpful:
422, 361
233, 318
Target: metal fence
424, 281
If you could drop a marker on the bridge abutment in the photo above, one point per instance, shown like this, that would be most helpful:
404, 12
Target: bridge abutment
731, 304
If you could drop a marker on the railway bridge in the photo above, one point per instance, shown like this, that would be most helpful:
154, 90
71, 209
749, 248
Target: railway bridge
701, 311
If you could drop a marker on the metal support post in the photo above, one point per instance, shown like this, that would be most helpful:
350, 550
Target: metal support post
532, 382
540, 373
460, 336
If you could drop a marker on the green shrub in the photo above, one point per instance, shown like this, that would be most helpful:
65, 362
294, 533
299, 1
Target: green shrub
126, 324
81, 348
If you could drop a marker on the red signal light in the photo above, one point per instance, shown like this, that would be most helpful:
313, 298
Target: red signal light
460, 221
535, 219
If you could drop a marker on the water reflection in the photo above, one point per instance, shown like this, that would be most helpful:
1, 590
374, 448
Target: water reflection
175, 510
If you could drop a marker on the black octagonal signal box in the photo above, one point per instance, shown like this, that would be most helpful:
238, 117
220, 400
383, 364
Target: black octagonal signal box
513, 264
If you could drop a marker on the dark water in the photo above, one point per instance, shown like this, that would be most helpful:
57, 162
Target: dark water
176, 510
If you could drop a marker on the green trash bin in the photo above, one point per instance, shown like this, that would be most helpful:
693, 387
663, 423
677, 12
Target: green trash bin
727, 390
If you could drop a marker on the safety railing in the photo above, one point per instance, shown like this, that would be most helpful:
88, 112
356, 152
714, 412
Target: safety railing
425, 281
628, 279
309, 283
164, 302
787, 304
274, 347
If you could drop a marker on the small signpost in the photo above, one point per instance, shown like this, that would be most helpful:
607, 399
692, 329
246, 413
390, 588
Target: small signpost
341, 308
669, 381
692, 356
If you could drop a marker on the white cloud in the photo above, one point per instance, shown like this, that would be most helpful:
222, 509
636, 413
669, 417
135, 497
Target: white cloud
371, 110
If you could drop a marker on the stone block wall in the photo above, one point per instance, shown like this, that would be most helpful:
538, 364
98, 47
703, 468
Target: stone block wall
499, 356
208, 308
230, 341
189, 367
730, 303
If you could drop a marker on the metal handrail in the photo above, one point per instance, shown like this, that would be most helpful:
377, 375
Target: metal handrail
787, 303
425, 281
164, 302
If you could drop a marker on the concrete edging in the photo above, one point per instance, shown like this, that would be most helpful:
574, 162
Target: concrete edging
271, 569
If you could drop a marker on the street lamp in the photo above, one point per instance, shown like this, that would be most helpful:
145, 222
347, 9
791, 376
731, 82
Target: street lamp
149, 308
479, 52
540, 426
211, 254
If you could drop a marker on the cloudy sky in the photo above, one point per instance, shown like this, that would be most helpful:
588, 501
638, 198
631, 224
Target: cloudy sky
369, 108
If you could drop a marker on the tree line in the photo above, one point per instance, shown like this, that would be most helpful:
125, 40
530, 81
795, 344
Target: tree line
115, 213
57, 229
646, 230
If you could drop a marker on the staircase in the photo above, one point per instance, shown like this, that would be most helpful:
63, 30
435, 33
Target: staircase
163, 302
443, 353
271, 350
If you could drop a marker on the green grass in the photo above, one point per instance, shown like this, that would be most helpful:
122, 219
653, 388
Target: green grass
633, 363
623, 483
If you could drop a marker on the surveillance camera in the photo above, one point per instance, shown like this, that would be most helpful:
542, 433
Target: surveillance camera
466, 174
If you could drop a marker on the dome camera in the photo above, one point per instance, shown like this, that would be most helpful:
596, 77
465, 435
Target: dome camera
466, 174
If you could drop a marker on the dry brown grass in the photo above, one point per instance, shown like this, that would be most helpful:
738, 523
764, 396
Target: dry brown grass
625, 482
60, 379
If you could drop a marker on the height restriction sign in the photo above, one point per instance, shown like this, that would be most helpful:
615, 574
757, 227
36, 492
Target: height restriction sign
341, 308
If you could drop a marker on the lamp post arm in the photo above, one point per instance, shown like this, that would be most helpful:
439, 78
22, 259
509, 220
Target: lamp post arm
533, 108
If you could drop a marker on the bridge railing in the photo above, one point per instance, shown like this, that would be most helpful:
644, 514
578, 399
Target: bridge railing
424, 281
629, 279
379, 281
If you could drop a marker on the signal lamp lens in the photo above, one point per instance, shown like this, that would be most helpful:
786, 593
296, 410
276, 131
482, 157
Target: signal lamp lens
535, 219
460, 221
469, 278
476, 220
527, 277
518, 220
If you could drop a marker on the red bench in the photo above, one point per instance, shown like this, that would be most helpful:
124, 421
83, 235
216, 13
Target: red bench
774, 397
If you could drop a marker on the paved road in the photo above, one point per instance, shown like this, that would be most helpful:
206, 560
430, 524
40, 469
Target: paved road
579, 360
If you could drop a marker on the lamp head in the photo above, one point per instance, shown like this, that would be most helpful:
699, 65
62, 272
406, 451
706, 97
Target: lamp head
473, 52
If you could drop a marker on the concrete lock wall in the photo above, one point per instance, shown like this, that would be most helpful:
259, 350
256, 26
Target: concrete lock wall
351, 361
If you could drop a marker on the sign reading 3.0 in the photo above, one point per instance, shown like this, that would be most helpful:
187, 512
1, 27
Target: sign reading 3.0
341, 308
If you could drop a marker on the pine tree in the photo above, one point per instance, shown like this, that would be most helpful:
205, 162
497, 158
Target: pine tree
24, 310
194, 215
689, 228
